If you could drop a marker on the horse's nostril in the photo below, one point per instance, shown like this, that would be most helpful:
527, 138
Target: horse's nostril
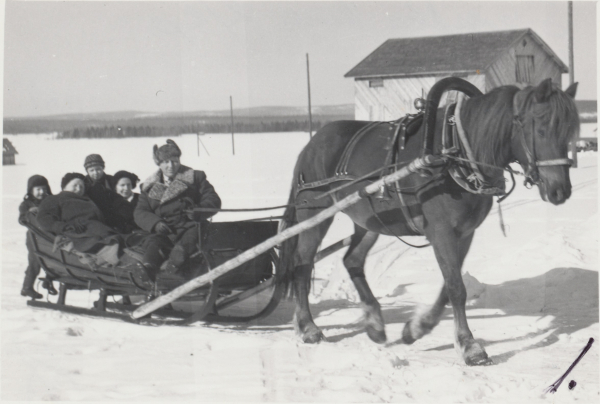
559, 195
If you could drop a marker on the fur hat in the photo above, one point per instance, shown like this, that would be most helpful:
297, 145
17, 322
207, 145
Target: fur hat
70, 177
93, 160
166, 151
124, 174
37, 181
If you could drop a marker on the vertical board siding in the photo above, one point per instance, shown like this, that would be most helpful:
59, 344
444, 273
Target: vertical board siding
395, 99
392, 101
397, 96
504, 70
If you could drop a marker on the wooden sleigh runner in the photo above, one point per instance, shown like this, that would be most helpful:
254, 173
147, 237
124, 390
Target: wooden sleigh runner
250, 292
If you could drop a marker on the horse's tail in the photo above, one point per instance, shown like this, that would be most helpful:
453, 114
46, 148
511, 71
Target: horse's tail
288, 247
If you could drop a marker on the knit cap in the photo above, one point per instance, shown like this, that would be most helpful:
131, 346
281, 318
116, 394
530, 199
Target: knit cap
124, 174
93, 160
70, 177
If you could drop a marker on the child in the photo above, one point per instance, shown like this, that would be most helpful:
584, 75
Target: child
72, 214
98, 186
123, 183
37, 190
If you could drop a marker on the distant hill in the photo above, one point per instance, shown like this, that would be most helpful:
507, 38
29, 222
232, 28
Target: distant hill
268, 111
140, 123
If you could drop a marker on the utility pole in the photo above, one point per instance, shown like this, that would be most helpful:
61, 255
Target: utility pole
309, 107
232, 140
572, 77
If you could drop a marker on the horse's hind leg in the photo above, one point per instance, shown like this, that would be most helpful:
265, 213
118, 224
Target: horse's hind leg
354, 261
308, 243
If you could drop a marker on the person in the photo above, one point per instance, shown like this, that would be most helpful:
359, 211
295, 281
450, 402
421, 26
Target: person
163, 209
123, 183
37, 189
98, 186
72, 213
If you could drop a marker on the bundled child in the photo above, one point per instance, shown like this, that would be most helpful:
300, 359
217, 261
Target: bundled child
123, 183
99, 188
37, 189
73, 214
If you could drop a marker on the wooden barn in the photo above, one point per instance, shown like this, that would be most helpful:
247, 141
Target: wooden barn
8, 152
393, 75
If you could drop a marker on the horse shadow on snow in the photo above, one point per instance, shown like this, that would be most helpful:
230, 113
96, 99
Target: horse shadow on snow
569, 295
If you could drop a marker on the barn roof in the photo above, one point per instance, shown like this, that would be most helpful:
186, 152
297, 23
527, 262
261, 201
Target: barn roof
443, 54
7, 147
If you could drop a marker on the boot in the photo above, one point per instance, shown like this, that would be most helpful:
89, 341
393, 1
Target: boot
49, 286
30, 292
176, 259
150, 271
27, 289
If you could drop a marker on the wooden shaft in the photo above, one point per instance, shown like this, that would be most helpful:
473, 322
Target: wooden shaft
279, 238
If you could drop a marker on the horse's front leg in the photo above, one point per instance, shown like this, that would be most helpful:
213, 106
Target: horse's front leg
354, 261
424, 322
450, 250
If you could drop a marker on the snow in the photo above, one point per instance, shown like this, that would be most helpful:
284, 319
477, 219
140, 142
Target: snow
533, 301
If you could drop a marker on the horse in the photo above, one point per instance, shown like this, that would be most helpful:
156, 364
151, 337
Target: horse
531, 126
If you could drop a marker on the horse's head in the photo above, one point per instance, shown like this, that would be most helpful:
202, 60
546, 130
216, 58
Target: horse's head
545, 120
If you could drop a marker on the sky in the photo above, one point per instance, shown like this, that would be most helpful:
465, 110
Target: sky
73, 57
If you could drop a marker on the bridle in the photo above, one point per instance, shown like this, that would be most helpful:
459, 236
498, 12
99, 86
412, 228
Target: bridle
532, 176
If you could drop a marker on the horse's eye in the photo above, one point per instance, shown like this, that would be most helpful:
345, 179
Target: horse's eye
541, 132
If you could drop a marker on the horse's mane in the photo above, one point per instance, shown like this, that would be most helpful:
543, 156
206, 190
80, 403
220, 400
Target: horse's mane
489, 121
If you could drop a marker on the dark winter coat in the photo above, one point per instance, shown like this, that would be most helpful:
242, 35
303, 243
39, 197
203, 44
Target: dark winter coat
159, 202
25, 207
56, 212
128, 225
114, 207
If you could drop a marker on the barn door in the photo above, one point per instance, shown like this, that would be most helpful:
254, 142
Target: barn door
525, 69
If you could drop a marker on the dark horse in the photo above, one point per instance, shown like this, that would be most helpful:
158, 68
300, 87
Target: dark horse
532, 126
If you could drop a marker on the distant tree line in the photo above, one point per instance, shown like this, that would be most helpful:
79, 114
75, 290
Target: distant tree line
163, 126
152, 131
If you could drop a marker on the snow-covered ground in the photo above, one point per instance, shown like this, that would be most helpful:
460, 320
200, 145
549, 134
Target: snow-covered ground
533, 302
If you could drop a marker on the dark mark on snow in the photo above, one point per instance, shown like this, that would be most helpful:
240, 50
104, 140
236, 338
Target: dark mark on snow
572, 384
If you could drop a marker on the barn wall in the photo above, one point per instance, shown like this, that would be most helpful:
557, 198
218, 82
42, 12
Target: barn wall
396, 98
392, 101
504, 70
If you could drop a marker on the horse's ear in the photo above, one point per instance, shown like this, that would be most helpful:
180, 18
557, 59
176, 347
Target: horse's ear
543, 91
572, 90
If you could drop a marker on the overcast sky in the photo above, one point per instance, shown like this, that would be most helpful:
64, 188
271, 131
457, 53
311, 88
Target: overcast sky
70, 57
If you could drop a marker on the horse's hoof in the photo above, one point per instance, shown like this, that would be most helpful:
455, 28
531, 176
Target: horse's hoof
313, 336
377, 336
407, 337
475, 355
479, 361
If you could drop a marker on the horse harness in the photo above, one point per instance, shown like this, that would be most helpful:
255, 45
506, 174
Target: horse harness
461, 163
395, 145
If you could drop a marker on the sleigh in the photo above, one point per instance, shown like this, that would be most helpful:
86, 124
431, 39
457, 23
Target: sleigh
250, 292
